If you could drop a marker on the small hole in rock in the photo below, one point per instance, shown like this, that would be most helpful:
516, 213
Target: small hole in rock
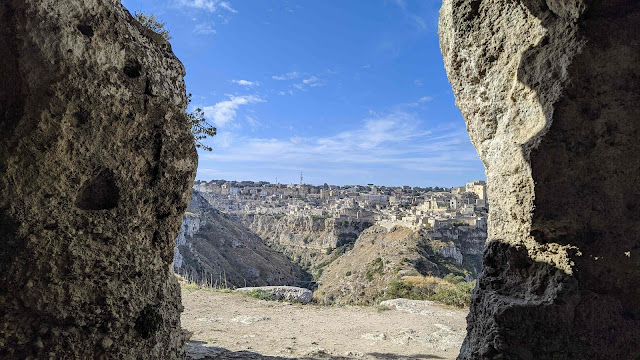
148, 322
81, 117
132, 68
86, 30
99, 193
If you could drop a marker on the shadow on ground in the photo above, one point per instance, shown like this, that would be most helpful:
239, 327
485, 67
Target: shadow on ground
198, 350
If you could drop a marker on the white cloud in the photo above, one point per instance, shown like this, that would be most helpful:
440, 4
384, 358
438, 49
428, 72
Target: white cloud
204, 29
225, 111
313, 81
246, 83
422, 100
207, 5
253, 122
418, 82
391, 140
288, 76
225, 5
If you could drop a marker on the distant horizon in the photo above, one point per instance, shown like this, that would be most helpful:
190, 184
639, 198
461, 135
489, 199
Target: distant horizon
344, 91
348, 184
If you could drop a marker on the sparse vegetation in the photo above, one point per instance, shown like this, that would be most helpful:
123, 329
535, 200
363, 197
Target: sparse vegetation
457, 295
376, 267
151, 22
451, 290
190, 285
200, 128
260, 294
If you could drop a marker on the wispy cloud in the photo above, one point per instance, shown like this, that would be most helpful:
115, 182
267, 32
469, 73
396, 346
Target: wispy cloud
420, 101
384, 141
418, 82
207, 5
223, 113
313, 81
288, 76
204, 29
418, 21
246, 83
302, 81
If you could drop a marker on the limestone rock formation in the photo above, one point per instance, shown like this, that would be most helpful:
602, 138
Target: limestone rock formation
286, 293
215, 249
550, 92
96, 165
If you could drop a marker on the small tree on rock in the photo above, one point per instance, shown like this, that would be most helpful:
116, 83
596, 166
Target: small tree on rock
200, 128
152, 23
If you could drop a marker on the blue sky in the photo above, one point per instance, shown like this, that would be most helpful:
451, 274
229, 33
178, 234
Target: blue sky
346, 92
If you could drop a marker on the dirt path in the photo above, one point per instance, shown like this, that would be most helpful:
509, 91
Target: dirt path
234, 326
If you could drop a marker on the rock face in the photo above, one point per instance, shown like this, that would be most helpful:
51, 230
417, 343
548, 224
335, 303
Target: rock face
309, 241
305, 232
96, 165
214, 249
550, 93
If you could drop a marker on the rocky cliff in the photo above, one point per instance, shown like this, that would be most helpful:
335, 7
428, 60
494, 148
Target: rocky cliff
550, 91
215, 249
96, 165
308, 240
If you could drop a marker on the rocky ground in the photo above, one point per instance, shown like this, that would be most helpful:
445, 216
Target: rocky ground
235, 326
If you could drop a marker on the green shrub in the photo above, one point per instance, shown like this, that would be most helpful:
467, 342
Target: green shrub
348, 273
453, 279
401, 289
458, 295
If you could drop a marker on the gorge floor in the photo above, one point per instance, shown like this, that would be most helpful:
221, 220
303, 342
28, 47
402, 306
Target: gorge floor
235, 326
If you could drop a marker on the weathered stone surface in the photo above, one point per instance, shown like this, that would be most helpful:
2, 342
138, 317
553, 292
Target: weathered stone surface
550, 92
287, 293
96, 165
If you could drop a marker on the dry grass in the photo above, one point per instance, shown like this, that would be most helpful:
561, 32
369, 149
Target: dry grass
188, 285
423, 281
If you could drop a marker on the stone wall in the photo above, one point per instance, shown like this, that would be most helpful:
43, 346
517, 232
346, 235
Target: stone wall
96, 165
550, 91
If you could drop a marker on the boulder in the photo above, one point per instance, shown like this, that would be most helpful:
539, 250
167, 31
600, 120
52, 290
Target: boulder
96, 166
550, 91
286, 293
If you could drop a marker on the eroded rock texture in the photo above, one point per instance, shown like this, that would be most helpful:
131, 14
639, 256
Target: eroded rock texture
96, 164
550, 91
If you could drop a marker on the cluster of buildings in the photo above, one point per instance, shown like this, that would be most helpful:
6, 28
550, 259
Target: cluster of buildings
416, 208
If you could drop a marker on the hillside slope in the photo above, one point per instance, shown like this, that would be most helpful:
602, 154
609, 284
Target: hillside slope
380, 256
215, 249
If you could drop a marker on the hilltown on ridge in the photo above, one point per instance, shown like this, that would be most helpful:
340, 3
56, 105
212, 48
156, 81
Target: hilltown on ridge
414, 208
